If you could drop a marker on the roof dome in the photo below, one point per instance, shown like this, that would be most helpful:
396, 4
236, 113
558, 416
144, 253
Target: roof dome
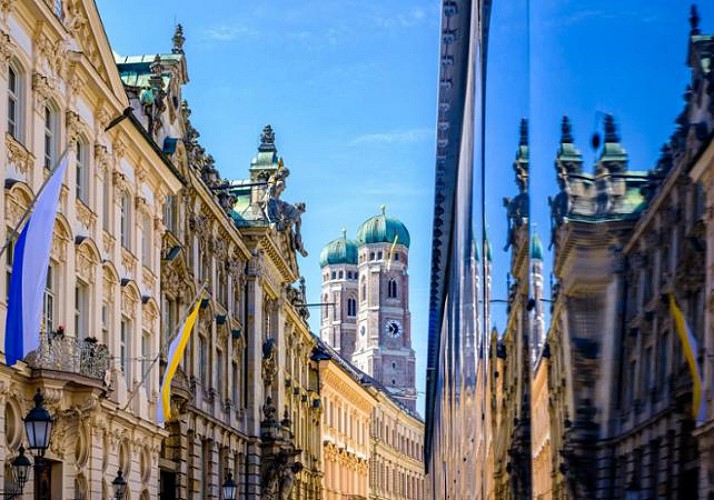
536, 247
339, 251
383, 229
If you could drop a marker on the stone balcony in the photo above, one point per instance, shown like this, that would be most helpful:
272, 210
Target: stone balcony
85, 357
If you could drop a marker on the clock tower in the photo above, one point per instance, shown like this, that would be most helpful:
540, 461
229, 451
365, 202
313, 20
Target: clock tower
383, 344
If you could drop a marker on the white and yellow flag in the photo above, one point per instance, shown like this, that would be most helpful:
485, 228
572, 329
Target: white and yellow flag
690, 348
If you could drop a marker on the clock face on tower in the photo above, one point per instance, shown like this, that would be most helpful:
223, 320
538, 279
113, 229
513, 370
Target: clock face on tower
393, 328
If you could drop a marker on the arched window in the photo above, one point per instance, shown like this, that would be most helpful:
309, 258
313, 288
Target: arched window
326, 310
341, 275
364, 290
379, 255
334, 274
51, 135
371, 256
15, 102
351, 307
392, 289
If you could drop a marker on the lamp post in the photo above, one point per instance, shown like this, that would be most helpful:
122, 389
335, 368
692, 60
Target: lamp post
229, 488
21, 470
38, 426
21, 466
119, 486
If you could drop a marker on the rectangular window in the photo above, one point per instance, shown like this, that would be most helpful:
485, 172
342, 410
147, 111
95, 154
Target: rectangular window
81, 315
146, 361
125, 224
146, 242
647, 370
82, 172
13, 103
632, 383
49, 301
50, 137
107, 202
124, 348
105, 323
203, 360
219, 373
170, 214
9, 255
234, 385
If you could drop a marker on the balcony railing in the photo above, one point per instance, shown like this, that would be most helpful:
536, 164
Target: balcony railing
85, 357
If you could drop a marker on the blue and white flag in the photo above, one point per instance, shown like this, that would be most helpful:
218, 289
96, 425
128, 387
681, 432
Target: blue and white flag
29, 272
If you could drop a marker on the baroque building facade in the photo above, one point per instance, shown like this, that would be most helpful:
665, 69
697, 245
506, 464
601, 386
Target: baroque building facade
145, 225
61, 91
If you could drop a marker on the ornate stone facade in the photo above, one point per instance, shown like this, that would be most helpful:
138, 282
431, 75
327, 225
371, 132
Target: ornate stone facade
101, 317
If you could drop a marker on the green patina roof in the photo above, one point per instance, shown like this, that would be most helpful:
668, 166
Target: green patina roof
536, 247
135, 71
383, 229
339, 251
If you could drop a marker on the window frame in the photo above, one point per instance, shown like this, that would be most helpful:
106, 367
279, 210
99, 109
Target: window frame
51, 134
81, 166
125, 233
16, 101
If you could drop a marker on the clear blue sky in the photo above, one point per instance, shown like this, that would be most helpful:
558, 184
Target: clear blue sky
350, 89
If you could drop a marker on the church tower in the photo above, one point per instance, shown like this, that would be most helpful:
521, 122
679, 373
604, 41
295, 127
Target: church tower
338, 261
383, 348
538, 325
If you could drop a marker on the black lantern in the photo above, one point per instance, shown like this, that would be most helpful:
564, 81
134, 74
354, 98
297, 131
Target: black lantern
119, 486
38, 425
21, 469
229, 488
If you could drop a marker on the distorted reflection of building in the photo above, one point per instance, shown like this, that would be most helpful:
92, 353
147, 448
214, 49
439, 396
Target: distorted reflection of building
611, 391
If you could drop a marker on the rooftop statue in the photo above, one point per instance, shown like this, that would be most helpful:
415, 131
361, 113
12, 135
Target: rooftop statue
280, 214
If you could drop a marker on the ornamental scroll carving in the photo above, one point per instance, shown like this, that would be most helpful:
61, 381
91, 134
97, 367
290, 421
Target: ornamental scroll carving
42, 90
17, 155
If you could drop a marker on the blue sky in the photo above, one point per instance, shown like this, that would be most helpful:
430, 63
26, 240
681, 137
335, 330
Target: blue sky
350, 89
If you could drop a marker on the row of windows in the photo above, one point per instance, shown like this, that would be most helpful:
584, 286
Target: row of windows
378, 256
82, 156
340, 275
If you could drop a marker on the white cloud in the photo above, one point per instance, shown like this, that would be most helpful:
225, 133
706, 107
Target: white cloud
227, 32
395, 137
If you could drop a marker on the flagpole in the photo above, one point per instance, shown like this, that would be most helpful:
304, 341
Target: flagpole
16, 230
135, 390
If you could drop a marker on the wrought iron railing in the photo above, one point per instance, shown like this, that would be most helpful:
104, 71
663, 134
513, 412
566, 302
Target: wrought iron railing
85, 357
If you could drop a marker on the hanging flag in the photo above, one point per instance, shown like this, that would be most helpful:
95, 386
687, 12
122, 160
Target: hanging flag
391, 251
176, 349
689, 342
29, 272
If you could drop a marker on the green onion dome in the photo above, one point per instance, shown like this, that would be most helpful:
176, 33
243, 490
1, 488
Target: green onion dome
339, 251
383, 229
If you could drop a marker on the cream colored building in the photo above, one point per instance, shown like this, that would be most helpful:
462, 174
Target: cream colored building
396, 458
346, 422
61, 89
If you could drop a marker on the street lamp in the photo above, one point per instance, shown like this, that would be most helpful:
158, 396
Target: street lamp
38, 425
229, 488
21, 469
119, 486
